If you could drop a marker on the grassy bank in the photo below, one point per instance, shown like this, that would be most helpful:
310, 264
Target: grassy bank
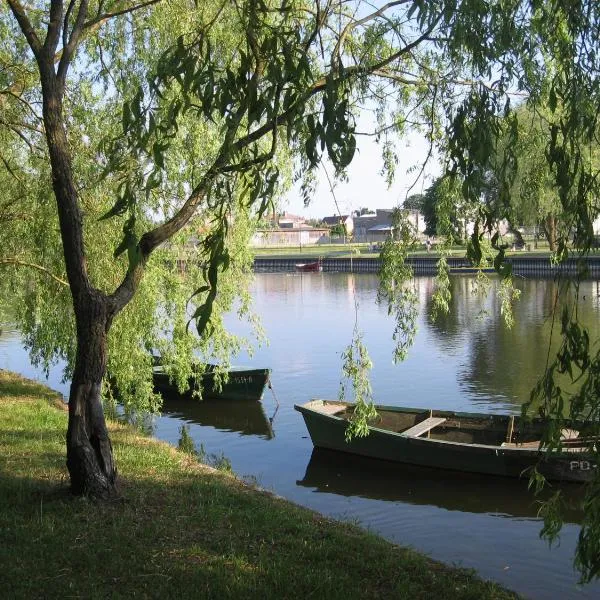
359, 251
182, 530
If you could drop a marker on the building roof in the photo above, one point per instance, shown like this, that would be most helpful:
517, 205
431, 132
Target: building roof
290, 217
384, 227
335, 219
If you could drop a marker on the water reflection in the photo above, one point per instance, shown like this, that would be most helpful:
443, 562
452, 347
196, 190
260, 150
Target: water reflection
347, 475
240, 416
504, 361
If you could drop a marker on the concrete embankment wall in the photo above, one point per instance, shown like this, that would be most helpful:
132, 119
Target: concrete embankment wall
529, 266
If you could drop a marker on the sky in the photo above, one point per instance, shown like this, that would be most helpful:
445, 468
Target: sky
365, 186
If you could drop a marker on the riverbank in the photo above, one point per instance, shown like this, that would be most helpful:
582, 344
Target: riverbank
183, 530
525, 264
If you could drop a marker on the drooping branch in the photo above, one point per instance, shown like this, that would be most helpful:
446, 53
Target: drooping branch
405, 49
227, 160
11, 91
22, 263
11, 172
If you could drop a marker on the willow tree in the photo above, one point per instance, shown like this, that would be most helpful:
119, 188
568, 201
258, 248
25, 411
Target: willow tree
170, 121
161, 115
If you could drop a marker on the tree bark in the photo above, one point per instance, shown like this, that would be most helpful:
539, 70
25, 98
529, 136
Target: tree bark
550, 231
89, 450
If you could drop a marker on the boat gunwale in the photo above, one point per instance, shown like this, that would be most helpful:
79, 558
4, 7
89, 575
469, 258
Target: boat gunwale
233, 369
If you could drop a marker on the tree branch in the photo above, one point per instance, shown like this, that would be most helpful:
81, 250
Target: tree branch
54, 26
9, 92
352, 24
65, 31
406, 49
22, 263
69, 50
11, 172
101, 18
16, 130
26, 26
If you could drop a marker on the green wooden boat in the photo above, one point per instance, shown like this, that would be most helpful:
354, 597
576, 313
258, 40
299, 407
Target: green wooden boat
242, 384
471, 442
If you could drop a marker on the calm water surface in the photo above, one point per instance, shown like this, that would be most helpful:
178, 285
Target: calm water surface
466, 361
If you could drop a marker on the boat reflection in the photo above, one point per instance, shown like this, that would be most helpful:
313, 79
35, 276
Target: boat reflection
354, 476
241, 416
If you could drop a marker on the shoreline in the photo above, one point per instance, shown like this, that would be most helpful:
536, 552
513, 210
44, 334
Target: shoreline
538, 265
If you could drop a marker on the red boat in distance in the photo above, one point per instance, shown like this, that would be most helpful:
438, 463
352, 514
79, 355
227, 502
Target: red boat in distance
316, 266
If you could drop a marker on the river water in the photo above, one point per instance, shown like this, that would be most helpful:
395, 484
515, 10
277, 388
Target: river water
467, 360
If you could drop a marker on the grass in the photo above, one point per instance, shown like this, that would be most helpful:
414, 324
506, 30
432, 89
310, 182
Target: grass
359, 251
181, 530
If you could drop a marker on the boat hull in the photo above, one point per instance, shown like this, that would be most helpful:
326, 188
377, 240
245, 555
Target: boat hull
328, 431
314, 267
246, 384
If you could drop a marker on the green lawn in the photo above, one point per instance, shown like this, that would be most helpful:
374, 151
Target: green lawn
365, 250
181, 529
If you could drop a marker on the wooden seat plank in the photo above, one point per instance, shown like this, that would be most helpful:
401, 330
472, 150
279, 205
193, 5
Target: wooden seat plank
529, 445
331, 409
423, 426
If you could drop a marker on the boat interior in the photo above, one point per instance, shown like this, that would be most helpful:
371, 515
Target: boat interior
491, 430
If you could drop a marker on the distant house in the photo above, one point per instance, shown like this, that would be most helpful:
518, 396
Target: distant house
346, 220
289, 221
377, 226
371, 227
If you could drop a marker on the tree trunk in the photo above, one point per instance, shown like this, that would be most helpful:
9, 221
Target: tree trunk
89, 450
550, 231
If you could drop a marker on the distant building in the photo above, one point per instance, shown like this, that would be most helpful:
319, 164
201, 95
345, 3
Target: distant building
377, 226
346, 220
373, 227
289, 221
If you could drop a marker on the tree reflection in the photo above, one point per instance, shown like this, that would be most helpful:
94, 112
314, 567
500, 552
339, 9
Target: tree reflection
503, 361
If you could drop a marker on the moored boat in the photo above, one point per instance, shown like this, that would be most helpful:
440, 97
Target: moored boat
242, 384
471, 442
315, 266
